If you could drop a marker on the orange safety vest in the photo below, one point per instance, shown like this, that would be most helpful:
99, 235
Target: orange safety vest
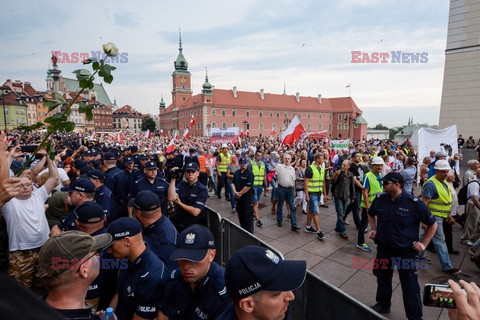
203, 163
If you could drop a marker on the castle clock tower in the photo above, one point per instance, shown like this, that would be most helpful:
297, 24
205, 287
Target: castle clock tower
182, 89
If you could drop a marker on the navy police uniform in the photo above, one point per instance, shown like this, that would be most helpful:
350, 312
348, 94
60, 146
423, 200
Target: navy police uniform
70, 221
116, 181
207, 301
159, 187
398, 223
104, 197
139, 287
161, 238
244, 204
192, 195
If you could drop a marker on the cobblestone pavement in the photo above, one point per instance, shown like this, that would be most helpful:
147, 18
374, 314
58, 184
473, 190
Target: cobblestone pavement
331, 259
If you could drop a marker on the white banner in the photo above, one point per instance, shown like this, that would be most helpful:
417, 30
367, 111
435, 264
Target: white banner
224, 135
428, 139
340, 144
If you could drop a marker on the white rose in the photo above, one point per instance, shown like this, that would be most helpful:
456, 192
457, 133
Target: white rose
110, 49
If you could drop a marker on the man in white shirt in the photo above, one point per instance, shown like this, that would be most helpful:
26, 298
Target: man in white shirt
286, 183
27, 225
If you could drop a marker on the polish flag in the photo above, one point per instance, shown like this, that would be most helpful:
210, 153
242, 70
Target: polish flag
273, 133
192, 121
171, 145
148, 134
186, 134
120, 137
294, 132
161, 132
93, 136
247, 133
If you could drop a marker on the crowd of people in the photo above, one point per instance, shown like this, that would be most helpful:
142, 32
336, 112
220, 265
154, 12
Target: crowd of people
102, 223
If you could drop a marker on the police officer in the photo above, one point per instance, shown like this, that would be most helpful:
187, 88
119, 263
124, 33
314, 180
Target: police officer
192, 157
116, 181
135, 156
189, 198
261, 284
139, 286
436, 194
153, 183
223, 160
158, 231
395, 218
242, 189
103, 196
196, 289
129, 170
260, 180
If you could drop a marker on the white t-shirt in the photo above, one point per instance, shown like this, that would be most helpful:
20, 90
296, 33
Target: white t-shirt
473, 190
27, 224
62, 174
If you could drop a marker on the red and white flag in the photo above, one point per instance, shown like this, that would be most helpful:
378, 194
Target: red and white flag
273, 132
294, 132
192, 121
247, 133
171, 145
93, 136
148, 134
120, 137
186, 134
161, 132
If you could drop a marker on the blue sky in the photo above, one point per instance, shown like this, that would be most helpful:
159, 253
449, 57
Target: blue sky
252, 45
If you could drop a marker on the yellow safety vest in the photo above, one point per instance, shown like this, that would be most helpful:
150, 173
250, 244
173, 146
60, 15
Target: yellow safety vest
375, 188
440, 207
315, 184
258, 173
225, 161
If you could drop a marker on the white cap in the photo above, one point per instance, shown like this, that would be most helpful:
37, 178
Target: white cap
442, 165
224, 145
377, 160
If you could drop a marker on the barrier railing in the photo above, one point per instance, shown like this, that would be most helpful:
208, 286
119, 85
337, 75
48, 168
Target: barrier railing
315, 299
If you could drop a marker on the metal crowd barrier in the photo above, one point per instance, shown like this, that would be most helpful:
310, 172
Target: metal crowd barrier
315, 299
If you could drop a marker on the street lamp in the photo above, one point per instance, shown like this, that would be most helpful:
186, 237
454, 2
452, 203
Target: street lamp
3, 92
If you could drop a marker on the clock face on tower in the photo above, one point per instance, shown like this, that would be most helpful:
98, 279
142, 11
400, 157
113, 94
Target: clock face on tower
183, 80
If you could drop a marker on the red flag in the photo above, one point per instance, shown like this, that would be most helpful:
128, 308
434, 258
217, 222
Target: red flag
171, 145
120, 137
192, 121
273, 132
247, 133
161, 132
186, 135
294, 132
148, 134
241, 134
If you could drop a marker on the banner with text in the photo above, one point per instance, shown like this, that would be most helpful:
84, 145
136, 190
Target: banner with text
340, 144
224, 135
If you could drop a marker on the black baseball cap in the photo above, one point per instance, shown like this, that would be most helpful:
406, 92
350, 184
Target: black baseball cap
96, 174
192, 150
82, 185
79, 164
242, 161
89, 210
191, 166
193, 244
150, 165
253, 268
128, 160
394, 177
124, 227
146, 200
110, 156
85, 170
143, 156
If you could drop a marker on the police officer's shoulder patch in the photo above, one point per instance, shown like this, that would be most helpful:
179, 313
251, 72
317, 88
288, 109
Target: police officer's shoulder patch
381, 195
220, 288
176, 274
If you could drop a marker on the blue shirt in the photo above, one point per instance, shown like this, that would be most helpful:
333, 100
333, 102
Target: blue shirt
116, 181
70, 221
140, 286
243, 179
398, 221
161, 238
195, 195
104, 197
158, 186
207, 301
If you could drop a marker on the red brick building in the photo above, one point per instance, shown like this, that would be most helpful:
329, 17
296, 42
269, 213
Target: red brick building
258, 112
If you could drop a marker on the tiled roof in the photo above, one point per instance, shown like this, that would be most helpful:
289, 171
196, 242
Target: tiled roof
28, 89
11, 99
102, 96
225, 98
129, 111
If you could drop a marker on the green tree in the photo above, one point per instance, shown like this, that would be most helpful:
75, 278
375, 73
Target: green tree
148, 124
380, 127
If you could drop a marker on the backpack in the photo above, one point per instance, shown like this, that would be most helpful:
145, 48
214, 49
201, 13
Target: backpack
462, 194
